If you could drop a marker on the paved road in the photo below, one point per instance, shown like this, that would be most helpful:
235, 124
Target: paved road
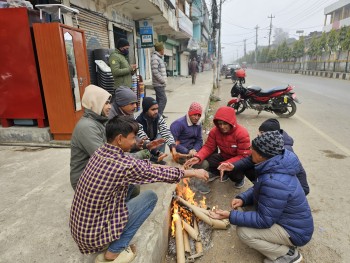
320, 130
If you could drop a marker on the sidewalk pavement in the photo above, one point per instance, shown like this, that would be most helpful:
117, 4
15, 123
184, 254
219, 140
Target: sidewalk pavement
36, 194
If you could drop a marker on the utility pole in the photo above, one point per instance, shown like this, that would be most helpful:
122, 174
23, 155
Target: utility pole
256, 44
270, 28
245, 47
219, 48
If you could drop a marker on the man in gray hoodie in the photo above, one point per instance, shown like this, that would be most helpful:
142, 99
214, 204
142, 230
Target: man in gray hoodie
159, 77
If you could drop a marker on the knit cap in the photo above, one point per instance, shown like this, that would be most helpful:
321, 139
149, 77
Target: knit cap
124, 96
147, 103
122, 42
269, 144
195, 108
270, 125
159, 46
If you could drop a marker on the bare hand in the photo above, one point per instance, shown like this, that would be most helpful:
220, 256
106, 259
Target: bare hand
189, 163
177, 156
219, 214
201, 174
225, 167
139, 144
192, 152
155, 143
236, 202
161, 156
134, 66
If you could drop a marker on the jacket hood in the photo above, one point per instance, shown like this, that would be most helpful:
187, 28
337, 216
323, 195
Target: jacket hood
94, 98
226, 114
286, 163
288, 141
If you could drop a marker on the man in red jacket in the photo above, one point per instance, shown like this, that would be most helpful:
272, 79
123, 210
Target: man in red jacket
227, 142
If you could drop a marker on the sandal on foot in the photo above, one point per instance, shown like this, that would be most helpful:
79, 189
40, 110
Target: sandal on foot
125, 256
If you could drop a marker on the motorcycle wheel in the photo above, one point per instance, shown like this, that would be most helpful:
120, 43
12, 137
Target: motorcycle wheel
239, 107
288, 111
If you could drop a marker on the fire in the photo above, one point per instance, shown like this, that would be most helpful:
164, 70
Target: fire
183, 190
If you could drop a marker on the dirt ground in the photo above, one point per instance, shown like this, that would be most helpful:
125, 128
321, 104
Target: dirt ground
225, 246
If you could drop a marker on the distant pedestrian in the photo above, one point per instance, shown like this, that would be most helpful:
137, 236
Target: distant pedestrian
194, 70
159, 77
119, 63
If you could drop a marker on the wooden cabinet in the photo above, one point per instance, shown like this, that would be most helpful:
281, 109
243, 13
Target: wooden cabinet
21, 95
64, 72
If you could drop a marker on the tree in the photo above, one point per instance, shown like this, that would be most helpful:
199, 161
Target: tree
344, 42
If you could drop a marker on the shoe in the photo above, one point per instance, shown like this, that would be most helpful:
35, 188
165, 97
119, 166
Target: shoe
203, 188
240, 184
212, 177
293, 256
154, 159
125, 256
224, 178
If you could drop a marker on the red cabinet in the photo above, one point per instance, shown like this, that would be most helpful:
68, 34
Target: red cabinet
20, 93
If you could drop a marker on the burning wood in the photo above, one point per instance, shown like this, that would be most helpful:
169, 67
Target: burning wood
186, 212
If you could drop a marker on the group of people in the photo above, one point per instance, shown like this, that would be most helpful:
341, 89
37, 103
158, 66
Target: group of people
113, 152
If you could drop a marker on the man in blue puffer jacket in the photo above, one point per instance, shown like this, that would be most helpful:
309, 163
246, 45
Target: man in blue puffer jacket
281, 219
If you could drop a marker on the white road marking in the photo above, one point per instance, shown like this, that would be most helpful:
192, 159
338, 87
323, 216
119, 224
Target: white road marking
325, 136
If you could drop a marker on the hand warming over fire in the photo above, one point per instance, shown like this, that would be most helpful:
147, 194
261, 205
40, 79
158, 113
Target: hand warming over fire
155, 143
219, 214
189, 163
199, 173
236, 202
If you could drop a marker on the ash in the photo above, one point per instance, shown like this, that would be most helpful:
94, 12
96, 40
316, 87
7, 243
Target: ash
205, 232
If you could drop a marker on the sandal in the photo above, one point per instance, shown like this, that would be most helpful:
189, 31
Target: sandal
125, 256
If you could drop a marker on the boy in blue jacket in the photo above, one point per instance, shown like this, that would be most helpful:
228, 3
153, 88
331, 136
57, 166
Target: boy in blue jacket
281, 219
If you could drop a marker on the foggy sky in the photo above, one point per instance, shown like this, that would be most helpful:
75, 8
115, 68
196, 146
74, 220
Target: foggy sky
239, 18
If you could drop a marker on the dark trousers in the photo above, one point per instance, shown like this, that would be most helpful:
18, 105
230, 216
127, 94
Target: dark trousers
194, 75
212, 163
161, 99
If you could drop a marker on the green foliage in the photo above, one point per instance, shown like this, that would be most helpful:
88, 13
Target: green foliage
344, 38
333, 40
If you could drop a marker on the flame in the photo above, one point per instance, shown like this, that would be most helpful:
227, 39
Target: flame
184, 191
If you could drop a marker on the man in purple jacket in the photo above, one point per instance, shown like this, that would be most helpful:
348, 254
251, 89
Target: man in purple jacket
187, 131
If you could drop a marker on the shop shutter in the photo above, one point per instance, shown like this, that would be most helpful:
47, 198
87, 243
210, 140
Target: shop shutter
95, 27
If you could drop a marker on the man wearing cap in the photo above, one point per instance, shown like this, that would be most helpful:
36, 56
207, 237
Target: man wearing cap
187, 131
281, 219
154, 126
159, 77
246, 165
120, 67
125, 103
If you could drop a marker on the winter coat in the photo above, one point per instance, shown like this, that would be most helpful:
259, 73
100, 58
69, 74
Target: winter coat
278, 199
247, 163
89, 133
159, 77
159, 126
233, 145
121, 70
189, 135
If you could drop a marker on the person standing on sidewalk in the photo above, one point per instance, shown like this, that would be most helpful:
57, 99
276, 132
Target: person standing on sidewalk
102, 216
159, 77
227, 142
120, 67
194, 69
281, 218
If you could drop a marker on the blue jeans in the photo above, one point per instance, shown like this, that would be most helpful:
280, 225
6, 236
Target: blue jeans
161, 98
140, 207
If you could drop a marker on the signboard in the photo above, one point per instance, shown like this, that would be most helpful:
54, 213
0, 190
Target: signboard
146, 33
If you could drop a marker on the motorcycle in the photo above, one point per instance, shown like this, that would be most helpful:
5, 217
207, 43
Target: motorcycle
238, 75
278, 100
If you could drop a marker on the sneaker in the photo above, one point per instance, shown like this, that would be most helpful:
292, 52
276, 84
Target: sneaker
203, 188
224, 178
240, 184
212, 177
293, 256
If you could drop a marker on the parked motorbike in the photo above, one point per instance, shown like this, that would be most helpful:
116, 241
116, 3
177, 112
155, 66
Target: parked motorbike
238, 75
278, 100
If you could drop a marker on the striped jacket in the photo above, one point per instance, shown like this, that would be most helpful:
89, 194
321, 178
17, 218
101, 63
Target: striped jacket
158, 70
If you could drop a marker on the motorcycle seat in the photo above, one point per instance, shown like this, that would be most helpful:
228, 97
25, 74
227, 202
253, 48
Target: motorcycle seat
254, 88
272, 90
